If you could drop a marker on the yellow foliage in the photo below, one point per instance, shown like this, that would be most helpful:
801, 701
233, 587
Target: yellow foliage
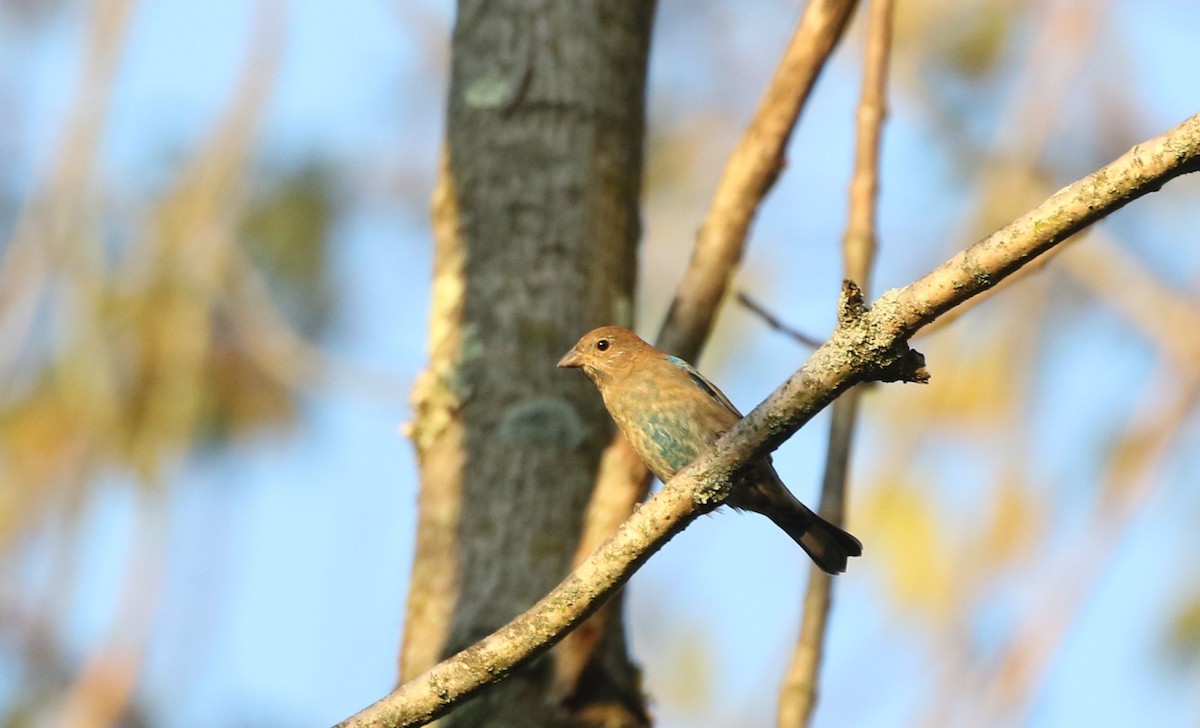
909, 543
1128, 459
965, 37
1181, 639
691, 680
1013, 528
39, 442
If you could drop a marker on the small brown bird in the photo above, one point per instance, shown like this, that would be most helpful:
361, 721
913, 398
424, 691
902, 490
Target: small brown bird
670, 414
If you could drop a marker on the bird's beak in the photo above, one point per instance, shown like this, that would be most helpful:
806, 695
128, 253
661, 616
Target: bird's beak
571, 359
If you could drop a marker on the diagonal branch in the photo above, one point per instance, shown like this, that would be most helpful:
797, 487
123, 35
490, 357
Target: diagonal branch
867, 344
748, 176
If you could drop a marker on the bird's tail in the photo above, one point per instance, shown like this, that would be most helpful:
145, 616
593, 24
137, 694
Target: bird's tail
828, 546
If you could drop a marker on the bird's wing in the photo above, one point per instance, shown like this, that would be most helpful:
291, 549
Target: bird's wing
708, 387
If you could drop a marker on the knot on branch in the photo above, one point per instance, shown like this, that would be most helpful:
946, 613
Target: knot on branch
873, 342
851, 306
908, 365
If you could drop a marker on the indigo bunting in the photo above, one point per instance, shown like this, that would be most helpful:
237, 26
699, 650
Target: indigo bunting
670, 414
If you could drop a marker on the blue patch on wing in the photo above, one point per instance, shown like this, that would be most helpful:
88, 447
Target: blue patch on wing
664, 444
708, 387
672, 453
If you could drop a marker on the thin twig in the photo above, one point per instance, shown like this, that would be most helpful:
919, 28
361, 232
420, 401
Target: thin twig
774, 322
623, 480
798, 692
868, 343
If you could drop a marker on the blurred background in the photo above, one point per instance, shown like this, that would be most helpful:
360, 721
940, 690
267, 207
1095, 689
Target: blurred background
214, 266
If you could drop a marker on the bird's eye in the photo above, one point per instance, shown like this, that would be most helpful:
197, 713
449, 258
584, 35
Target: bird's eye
602, 344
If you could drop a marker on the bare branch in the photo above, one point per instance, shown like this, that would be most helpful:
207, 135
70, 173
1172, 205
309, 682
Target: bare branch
749, 174
867, 344
798, 693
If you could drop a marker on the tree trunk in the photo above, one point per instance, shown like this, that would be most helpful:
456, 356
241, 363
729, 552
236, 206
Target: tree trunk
535, 225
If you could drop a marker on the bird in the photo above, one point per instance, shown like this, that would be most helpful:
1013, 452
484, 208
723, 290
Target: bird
670, 414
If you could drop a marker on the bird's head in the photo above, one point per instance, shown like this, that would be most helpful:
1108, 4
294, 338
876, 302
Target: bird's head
605, 353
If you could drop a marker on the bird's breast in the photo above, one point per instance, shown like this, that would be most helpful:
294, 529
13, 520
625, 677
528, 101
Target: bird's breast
666, 437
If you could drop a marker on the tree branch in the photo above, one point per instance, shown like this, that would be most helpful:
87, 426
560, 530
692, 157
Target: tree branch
798, 692
749, 174
867, 344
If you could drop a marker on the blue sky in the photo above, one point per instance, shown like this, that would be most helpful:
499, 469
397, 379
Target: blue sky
288, 555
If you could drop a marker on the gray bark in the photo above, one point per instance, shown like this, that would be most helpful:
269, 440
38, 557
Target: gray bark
536, 226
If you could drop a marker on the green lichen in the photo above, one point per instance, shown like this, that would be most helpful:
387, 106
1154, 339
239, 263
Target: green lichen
544, 421
492, 90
